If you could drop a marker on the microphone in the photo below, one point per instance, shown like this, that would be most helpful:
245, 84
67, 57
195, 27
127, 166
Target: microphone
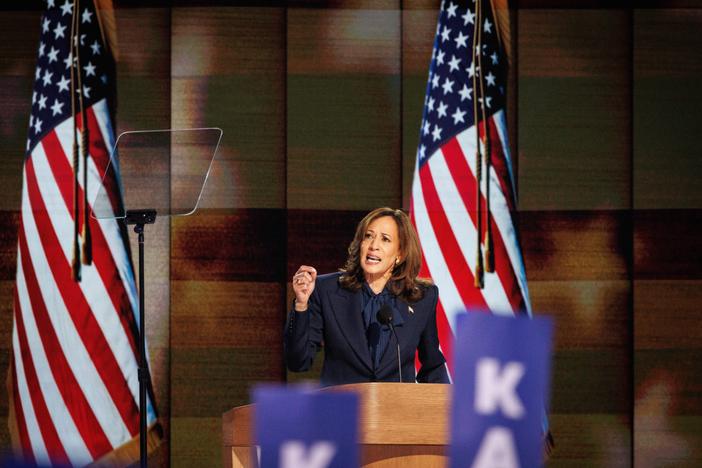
384, 317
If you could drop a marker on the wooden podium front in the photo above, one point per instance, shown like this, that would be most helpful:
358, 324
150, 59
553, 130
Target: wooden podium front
402, 425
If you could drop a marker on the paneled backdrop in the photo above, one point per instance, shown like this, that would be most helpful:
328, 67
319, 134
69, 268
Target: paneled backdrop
320, 103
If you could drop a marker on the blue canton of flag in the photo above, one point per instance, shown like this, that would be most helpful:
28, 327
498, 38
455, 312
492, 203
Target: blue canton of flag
51, 102
448, 105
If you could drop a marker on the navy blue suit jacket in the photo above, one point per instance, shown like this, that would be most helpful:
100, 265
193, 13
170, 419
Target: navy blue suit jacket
334, 317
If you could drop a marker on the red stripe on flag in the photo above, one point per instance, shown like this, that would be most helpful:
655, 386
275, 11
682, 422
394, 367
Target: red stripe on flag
73, 396
22, 431
79, 309
451, 252
102, 256
466, 183
54, 447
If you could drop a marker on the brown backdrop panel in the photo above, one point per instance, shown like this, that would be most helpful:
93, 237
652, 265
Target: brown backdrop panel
588, 314
578, 272
18, 50
667, 414
418, 29
225, 314
229, 245
320, 238
666, 244
143, 69
668, 258
574, 109
595, 439
229, 72
226, 338
343, 86
667, 314
667, 102
574, 153
8, 261
668, 327
227, 297
576, 245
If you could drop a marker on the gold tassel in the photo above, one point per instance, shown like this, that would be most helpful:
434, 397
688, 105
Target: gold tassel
478, 280
489, 253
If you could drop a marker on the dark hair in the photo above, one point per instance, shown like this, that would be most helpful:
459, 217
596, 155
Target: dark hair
404, 281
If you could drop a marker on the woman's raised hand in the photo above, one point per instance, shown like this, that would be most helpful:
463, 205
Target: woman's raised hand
303, 285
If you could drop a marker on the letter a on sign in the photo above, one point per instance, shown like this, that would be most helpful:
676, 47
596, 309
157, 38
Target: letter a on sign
500, 391
497, 450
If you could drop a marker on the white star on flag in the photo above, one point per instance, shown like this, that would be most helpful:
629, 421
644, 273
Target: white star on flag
436, 134
458, 116
441, 111
56, 108
87, 15
447, 86
460, 40
58, 31
453, 64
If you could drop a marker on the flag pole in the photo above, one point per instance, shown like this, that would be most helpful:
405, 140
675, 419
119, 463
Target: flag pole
478, 279
73, 46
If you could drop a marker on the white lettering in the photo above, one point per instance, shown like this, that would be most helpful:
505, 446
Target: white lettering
293, 454
495, 388
497, 450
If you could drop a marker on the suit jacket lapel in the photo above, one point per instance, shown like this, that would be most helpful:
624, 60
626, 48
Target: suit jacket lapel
346, 306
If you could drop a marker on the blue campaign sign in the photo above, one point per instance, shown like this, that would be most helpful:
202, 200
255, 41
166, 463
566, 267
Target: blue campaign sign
301, 428
500, 391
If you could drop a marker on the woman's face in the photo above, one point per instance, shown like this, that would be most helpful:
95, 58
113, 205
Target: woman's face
380, 247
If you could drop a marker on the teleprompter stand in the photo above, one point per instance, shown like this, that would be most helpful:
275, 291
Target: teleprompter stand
159, 171
139, 218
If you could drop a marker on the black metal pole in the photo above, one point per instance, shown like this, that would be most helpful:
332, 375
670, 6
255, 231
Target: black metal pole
139, 218
143, 370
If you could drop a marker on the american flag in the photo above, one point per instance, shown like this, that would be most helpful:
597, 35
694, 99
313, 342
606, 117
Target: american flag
74, 368
466, 86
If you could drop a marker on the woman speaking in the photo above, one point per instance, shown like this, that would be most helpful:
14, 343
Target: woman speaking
342, 309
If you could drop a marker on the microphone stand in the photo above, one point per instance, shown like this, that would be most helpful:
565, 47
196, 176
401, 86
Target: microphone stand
397, 342
139, 218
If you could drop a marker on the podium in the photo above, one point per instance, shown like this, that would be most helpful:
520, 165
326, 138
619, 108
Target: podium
401, 425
